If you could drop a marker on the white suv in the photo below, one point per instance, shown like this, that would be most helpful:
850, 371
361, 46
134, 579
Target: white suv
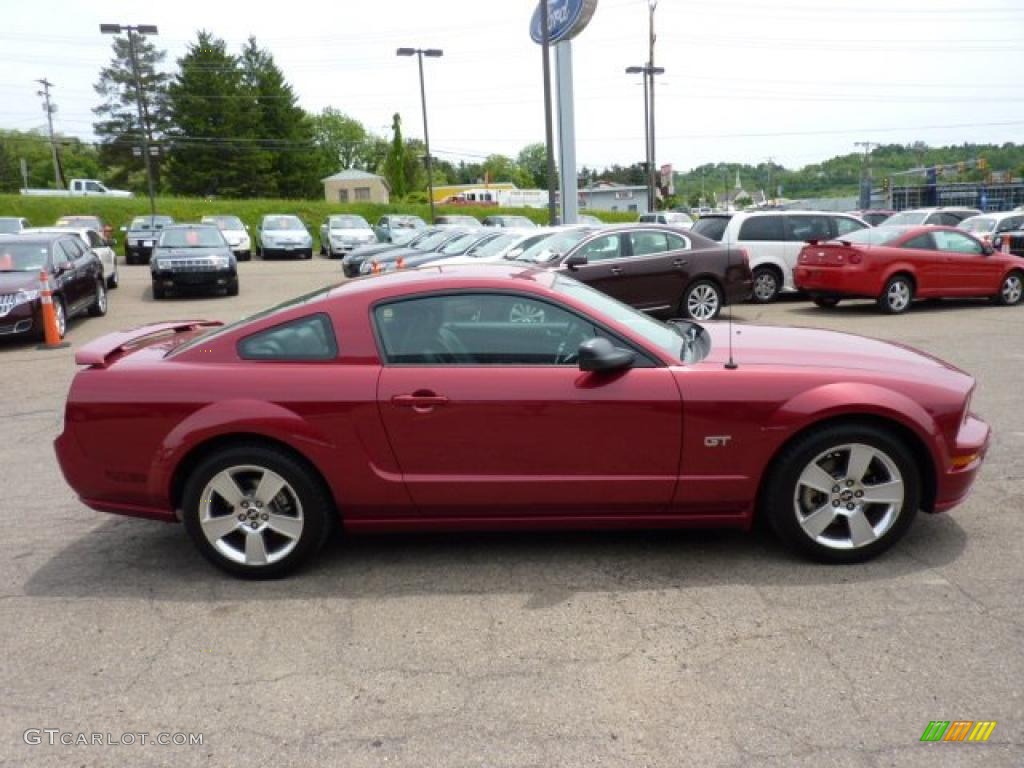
773, 240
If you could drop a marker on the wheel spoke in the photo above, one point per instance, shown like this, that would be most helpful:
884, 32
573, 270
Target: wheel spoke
224, 485
884, 493
817, 478
290, 527
218, 527
861, 532
255, 549
820, 519
859, 461
270, 485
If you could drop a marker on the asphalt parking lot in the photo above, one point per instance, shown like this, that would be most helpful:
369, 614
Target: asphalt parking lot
709, 649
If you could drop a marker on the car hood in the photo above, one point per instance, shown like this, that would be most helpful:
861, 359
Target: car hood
353, 232
189, 253
814, 348
233, 234
397, 253
284, 234
12, 282
367, 251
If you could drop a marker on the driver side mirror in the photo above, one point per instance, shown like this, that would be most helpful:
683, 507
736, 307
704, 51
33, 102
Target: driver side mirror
64, 266
987, 249
599, 354
576, 260
997, 242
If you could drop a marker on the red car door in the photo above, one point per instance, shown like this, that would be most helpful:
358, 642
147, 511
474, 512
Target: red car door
969, 269
490, 415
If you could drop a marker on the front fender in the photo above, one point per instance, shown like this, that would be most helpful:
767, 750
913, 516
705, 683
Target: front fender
226, 417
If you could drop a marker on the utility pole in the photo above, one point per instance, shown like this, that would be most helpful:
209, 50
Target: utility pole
771, 168
652, 4
865, 173
49, 109
432, 53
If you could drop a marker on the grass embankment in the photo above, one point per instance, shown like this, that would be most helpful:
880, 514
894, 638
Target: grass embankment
117, 212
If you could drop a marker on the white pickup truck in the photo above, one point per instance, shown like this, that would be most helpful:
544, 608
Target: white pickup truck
80, 188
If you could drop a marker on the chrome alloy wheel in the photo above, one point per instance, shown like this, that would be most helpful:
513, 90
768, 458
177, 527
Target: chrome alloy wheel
898, 295
61, 315
1012, 289
849, 496
251, 515
766, 285
702, 302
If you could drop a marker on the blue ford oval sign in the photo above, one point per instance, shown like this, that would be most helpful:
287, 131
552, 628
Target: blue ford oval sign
566, 19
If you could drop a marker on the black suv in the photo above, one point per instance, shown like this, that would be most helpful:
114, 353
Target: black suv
193, 256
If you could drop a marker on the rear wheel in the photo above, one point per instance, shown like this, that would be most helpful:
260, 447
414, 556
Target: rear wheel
1011, 290
702, 301
98, 308
843, 494
256, 512
826, 302
767, 284
897, 295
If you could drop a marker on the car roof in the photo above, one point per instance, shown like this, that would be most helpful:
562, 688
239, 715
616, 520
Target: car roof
57, 230
41, 237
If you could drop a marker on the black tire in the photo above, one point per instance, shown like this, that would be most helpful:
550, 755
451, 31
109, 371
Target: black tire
786, 498
308, 254
232, 289
313, 509
826, 302
113, 281
1011, 290
897, 296
702, 301
98, 308
767, 285
158, 291
245, 256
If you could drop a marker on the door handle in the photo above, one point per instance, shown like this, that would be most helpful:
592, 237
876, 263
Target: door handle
616, 270
680, 263
419, 400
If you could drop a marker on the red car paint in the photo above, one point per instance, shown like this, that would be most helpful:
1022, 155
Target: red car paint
534, 446
845, 269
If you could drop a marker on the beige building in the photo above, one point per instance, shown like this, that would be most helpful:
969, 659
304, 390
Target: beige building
354, 186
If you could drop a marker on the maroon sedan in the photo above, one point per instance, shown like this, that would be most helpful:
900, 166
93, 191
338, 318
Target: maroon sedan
895, 265
509, 397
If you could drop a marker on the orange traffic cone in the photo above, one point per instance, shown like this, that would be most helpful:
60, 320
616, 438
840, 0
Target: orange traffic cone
51, 332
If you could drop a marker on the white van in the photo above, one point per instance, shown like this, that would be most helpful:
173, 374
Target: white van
773, 240
679, 219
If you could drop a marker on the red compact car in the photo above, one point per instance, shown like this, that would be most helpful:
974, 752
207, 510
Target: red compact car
501, 397
895, 265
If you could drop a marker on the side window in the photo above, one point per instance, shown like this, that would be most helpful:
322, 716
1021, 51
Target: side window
95, 241
646, 243
762, 228
802, 228
479, 329
602, 249
677, 243
73, 249
954, 242
920, 243
1010, 224
945, 219
308, 338
92, 186
845, 226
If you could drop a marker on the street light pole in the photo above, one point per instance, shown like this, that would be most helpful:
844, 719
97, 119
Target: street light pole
429, 53
648, 73
549, 140
652, 71
132, 30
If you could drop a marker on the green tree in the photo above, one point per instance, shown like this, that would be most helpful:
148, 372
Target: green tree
117, 126
533, 161
281, 127
342, 141
212, 114
395, 163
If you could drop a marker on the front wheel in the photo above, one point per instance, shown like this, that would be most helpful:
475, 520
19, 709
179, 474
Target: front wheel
114, 280
98, 308
843, 494
1011, 290
702, 301
232, 289
897, 295
255, 511
158, 290
766, 285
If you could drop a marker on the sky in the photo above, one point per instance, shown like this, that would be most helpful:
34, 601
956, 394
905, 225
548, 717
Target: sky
797, 81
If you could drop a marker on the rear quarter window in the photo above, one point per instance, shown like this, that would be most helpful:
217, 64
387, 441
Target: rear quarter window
308, 338
712, 227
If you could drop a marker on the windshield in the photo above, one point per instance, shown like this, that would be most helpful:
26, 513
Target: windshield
23, 257
660, 335
224, 222
550, 248
460, 244
495, 246
10, 226
275, 223
463, 220
347, 222
907, 219
197, 237
712, 227
978, 225
407, 222
150, 222
432, 241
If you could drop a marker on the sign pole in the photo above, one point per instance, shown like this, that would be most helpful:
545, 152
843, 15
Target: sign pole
566, 134
549, 141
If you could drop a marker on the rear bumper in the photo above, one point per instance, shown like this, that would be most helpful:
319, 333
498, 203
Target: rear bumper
956, 479
836, 281
138, 251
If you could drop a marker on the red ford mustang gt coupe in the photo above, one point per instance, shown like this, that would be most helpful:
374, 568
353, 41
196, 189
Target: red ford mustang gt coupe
895, 265
422, 400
